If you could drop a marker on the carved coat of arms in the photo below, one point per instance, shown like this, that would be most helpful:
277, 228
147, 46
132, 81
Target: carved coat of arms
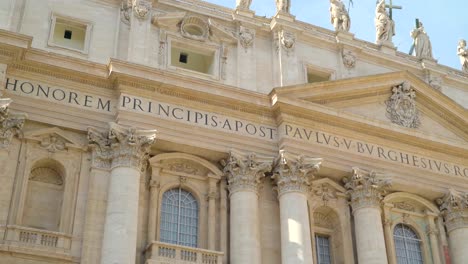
401, 106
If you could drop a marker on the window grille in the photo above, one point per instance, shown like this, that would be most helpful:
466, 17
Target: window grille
322, 244
407, 245
179, 218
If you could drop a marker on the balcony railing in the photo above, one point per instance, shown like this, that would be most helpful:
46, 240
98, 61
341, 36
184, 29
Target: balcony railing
164, 253
32, 238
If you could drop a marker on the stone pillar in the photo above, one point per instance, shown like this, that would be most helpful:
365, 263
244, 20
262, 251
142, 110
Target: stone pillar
128, 151
454, 207
366, 190
293, 175
244, 174
212, 195
154, 186
138, 13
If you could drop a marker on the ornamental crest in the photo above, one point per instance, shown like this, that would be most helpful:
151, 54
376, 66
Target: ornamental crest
288, 40
401, 106
141, 8
246, 37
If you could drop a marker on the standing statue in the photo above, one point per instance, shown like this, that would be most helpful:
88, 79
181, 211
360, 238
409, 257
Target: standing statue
422, 44
339, 16
384, 25
462, 53
243, 4
283, 6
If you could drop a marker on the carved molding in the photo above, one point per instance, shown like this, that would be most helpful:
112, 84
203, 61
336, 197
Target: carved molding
366, 188
10, 124
294, 173
401, 106
194, 27
245, 171
454, 208
404, 206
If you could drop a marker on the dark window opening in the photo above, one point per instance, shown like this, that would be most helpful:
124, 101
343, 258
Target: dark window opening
183, 57
67, 34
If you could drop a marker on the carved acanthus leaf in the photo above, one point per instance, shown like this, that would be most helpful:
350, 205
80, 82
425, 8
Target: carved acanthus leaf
10, 124
454, 207
294, 173
245, 171
366, 188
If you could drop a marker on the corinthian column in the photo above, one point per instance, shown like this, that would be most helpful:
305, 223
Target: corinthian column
128, 152
454, 206
293, 175
244, 174
366, 190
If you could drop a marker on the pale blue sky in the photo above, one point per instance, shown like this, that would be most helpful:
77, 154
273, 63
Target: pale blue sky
445, 21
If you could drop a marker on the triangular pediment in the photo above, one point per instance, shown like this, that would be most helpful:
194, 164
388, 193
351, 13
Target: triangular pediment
400, 100
53, 139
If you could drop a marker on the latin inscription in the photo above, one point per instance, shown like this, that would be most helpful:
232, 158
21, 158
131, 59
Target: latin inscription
375, 151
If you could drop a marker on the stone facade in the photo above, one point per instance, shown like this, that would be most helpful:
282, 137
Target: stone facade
178, 131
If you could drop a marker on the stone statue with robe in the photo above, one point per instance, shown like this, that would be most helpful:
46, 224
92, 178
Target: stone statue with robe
243, 4
462, 53
422, 43
384, 25
339, 16
283, 6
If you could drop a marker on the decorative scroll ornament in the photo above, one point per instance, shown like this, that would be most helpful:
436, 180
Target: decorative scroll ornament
245, 171
195, 28
288, 41
454, 207
141, 8
246, 37
294, 173
366, 188
401, 106
10, 124
349, 59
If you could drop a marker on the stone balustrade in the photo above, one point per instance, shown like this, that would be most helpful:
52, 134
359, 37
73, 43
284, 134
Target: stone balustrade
38, 239
164, 253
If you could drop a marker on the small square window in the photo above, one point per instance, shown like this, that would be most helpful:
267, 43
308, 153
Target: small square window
70, 33
183, 57
67, 34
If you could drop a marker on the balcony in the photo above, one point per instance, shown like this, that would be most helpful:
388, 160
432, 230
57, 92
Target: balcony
163, 253
28, 240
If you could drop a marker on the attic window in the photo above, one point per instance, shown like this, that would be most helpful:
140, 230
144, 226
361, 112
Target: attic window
183, 57
192, 58
69, 33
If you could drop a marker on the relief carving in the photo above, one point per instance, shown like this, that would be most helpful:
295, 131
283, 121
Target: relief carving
294, 173
184, 168
288, 41
10, 124
404, 206
53, 143
46, 175
125, 11
99, 143
349, 59
195, 28
401, 106
141, 8
325, 192
246, 37
454, 208
366, 188
245, 171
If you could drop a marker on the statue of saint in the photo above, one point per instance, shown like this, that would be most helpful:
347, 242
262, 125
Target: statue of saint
462, 53
283, 6
243, 4
422, 44
339, 16
385, 28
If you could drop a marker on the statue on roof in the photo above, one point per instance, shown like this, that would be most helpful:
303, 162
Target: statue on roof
339, 16
384, 25
283, 6
243, 4
422, 43
462, 53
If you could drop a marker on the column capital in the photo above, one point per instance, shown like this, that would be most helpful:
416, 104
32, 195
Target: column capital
121, 146
454, 208
294, 173
245, 171
10, 124
366, 188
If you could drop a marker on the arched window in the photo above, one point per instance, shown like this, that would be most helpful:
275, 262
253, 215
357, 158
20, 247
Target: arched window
407, 245
179, 218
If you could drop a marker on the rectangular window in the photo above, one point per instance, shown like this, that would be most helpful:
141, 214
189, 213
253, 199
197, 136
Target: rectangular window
322, 244
69, 33
193, 59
